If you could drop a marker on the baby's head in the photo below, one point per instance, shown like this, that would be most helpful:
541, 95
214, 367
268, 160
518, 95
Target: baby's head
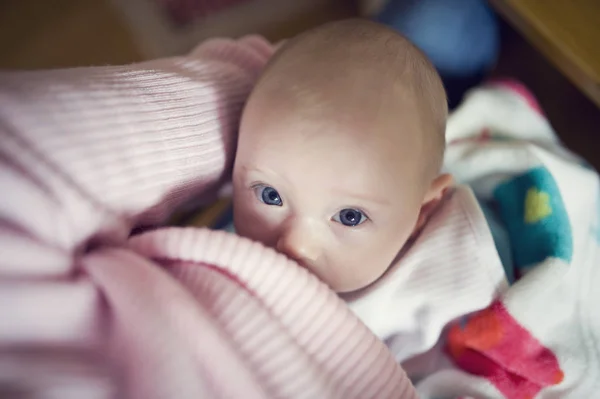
340, 150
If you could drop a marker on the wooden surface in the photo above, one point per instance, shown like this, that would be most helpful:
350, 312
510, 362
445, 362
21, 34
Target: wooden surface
62, 33
567, 32
67, 33
274, 19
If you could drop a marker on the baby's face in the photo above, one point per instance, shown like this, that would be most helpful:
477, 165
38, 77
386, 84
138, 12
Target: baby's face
339, 201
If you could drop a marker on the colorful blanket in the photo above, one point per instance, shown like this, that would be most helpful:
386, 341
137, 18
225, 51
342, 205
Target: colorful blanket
541, 337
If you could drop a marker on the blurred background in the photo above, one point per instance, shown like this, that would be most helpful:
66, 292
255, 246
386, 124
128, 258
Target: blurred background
64, 33
549, 45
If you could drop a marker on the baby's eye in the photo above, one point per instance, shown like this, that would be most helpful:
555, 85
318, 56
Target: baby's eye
350, 217
268, 195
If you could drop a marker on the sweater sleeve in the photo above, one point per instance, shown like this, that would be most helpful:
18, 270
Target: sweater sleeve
87, 153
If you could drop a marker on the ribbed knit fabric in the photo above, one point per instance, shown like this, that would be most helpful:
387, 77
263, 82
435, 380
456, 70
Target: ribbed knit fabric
86, 155
307, 325
114, 141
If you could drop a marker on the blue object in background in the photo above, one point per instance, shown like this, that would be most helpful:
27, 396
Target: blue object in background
460, 37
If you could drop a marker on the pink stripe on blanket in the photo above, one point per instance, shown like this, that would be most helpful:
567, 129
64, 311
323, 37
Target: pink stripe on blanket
492, 344
520, 89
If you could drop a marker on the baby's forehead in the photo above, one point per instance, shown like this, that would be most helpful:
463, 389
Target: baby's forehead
349, 154
336, 124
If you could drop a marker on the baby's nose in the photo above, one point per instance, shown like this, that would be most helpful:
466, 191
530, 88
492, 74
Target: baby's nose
299, 242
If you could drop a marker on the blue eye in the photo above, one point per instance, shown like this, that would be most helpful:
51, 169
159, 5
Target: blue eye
268, 195
350, 217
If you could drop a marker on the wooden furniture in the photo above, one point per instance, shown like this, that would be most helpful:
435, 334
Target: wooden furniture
62, 33
567, 32
158, 36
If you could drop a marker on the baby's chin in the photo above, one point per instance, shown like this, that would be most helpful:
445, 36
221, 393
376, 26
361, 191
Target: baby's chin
351, 286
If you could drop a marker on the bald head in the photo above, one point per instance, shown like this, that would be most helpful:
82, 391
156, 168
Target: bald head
361, 73
339, 151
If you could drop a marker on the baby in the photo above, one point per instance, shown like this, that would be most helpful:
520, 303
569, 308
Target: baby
340, 150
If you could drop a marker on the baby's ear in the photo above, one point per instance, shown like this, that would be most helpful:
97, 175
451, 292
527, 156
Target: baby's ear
434, 196
438, 188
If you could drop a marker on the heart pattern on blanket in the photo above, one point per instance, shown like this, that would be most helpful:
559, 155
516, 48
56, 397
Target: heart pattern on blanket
537, 205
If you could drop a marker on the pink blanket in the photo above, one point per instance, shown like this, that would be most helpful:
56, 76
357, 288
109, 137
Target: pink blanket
87, 311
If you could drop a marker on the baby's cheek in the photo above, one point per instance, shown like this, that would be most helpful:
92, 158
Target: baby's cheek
255, 223
366, 262
354, 266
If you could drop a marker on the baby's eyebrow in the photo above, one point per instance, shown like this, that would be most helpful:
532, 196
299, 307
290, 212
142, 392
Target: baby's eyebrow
251, 172
364, 198
253, 169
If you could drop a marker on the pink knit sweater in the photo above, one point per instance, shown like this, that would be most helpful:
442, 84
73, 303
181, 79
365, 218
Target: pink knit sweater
88, 312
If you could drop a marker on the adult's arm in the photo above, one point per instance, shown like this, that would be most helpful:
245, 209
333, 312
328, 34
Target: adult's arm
87, 153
